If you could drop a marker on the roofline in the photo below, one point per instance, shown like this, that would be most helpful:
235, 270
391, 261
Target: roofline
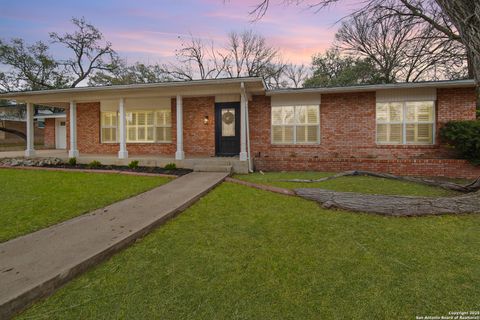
375, 87
269, 92
165, 84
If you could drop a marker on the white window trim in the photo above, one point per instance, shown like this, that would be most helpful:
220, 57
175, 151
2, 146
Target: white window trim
108, 127
162, 126
294, 125
136, 126
155, 126
404, 124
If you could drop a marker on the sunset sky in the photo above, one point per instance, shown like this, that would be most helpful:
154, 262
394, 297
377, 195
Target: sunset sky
150, 30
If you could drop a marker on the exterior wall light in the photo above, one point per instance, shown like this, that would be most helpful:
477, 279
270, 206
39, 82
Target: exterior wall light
205, 120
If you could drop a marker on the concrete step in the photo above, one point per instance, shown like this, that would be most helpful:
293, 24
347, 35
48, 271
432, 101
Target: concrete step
211, 162
212, 168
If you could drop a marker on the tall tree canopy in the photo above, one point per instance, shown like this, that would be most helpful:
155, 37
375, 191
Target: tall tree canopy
32, 67
331, 69
400, 48
457, 20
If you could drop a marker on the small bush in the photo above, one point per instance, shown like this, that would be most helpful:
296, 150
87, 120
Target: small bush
170, 166
94, 164
464, 136
72, 161
133, 164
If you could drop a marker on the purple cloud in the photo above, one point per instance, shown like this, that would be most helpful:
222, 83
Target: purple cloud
149, 31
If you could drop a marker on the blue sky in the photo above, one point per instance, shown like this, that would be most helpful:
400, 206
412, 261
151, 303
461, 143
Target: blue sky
149, 31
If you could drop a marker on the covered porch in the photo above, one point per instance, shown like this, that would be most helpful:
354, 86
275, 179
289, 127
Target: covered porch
206, 121
196, 163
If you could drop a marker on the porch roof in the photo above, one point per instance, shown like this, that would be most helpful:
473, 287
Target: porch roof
210, 87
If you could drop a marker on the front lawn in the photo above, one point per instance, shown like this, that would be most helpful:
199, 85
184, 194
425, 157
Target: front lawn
31, 200
362, 184
242, 253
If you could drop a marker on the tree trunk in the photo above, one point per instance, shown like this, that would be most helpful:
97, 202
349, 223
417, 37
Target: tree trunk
471, 187
465, 15
393, 205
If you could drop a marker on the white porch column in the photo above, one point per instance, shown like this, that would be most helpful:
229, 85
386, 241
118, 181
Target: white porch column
73, 152
30, 151
122, 153
243, 122
179, 155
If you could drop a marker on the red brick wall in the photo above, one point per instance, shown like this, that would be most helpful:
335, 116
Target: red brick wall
198, 138
49, 133
88, 135
454, 168
347, 127
347, 135
347, 130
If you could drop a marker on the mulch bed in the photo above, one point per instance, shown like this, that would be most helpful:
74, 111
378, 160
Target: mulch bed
141, 171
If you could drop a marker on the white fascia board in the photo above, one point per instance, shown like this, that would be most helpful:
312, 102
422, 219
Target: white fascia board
375, 87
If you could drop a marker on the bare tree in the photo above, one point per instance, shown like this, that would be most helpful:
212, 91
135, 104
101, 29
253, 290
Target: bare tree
465, 15
246, 54
401, 48
251, 55
296, 74
456, 20
91, 52
274, 75
198, 59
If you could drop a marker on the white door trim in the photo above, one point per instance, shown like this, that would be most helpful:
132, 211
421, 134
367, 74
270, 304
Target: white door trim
60, 133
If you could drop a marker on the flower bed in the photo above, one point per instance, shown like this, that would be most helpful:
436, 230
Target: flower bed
58, 163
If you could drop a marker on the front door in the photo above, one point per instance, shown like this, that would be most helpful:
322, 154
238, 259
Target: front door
227, 128
60, 134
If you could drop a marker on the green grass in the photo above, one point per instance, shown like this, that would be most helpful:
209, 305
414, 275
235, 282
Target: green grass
362, 184
31, 200
242, 253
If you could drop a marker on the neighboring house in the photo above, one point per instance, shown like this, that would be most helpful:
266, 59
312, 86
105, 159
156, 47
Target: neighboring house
13, 118
386, 127
55, 130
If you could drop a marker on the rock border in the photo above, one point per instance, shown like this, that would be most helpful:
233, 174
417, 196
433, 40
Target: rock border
132, 173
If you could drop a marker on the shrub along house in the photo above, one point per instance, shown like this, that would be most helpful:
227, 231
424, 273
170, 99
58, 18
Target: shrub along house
215, 124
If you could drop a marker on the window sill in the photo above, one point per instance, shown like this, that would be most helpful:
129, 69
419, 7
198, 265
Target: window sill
146, 142
298, 145
408, 146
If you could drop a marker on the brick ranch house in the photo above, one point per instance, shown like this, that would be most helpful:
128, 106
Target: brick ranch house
387, 127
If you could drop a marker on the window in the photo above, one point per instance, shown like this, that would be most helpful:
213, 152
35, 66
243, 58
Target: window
164, 125
295, 124
405, 122
109, 127
141, 126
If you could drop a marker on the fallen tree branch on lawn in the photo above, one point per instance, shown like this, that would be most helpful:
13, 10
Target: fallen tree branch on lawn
471, 187
393, 205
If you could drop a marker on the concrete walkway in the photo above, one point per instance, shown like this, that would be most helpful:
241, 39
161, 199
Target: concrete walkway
33, 266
